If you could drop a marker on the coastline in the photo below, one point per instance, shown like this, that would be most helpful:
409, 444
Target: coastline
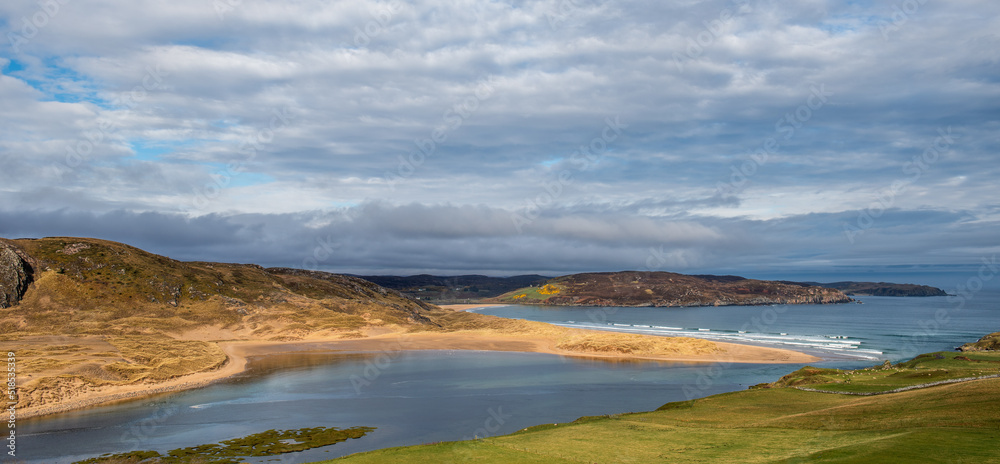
238, 351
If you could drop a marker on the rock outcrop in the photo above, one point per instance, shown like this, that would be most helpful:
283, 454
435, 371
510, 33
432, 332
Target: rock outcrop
989, 342
16, 274
878, 288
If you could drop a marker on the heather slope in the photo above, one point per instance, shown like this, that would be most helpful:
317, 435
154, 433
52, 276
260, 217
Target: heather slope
633, 288
880, 288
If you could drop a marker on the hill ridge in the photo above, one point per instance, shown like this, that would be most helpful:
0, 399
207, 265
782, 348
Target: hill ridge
666, 289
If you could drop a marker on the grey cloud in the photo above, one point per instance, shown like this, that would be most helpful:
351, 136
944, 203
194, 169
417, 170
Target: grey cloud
359, 107
418, 238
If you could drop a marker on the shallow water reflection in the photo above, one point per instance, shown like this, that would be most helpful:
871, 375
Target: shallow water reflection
417, 397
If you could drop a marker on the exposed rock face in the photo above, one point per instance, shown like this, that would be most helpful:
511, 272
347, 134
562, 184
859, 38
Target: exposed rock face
15, 274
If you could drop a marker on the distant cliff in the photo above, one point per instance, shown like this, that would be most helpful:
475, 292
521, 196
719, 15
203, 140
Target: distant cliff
632, 288
880, 288
440, 289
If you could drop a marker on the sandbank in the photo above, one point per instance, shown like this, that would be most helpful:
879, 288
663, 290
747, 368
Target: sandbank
468, 306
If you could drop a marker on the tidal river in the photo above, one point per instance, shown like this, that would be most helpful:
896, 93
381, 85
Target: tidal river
431, 396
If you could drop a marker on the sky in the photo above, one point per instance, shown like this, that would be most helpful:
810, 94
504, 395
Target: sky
809, 140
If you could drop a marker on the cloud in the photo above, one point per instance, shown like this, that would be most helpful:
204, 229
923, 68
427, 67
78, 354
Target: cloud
446, 239
116, 111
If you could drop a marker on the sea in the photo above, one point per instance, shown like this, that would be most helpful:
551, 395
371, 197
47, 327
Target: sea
435, 396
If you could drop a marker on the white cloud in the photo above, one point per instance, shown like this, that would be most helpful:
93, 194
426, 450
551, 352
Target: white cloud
360, 101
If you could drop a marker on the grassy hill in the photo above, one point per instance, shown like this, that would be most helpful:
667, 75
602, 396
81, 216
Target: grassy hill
89, 286
85, 314
950, 423
633, 288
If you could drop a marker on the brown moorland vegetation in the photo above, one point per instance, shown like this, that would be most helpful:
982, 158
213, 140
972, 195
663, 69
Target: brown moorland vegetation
633, 288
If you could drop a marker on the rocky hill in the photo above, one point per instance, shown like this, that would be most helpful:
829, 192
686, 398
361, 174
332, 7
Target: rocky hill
881, 289
989, 342
632, 288
89, 286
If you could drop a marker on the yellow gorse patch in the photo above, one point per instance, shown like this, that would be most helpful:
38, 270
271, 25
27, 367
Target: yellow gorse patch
548, 289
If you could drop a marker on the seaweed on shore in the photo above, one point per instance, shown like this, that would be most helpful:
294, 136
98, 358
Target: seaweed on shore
268, 443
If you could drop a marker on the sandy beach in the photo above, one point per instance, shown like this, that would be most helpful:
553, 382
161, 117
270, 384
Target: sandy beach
730, 352
468, 306
238, 352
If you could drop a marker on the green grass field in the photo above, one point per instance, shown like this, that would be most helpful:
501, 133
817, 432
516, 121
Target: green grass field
530, 295
926, 368
952, 423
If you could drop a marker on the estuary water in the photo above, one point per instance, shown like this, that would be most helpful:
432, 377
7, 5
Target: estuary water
432, 396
